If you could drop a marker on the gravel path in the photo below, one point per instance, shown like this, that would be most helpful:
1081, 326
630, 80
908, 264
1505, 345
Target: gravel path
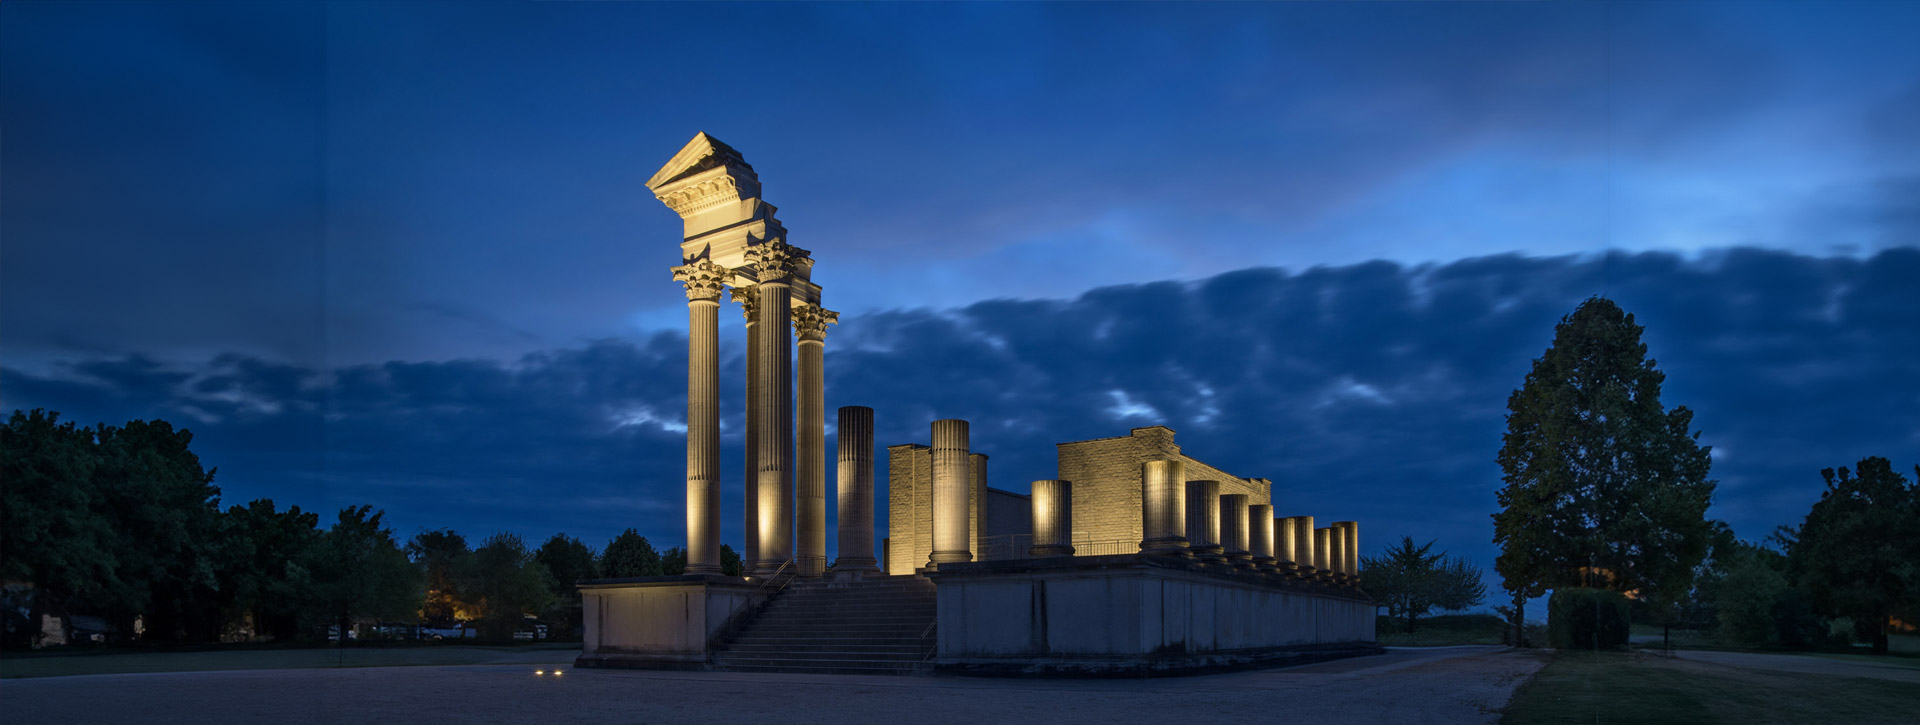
1805, 664
1429, 685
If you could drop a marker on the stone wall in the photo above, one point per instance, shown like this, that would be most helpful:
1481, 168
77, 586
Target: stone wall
910, 506
1008, 513
1106, 481
657, 621
1132, 614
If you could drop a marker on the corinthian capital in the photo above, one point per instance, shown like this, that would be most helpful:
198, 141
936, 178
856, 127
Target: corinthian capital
703, 279
749, 299
775, 260
810, 322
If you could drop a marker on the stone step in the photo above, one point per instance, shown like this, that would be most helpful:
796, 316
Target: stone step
856, 624
917, 610
849, 666
882, 656
856, 595
805, 640
915, 648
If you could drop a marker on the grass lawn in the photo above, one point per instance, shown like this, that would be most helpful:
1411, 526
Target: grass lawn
108, 662
1637, 687
1447, 629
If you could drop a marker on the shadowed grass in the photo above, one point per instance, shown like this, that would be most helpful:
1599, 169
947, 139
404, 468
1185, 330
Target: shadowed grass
1635, 687
1450, 629
14, 665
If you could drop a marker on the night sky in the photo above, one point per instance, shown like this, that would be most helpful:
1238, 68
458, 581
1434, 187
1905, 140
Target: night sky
402, 254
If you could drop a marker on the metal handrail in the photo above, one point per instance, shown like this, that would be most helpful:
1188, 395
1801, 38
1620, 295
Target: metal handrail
736, 618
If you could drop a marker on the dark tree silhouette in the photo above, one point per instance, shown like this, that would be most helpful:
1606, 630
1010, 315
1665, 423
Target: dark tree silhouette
1858, 553
1604, 487
1411, 581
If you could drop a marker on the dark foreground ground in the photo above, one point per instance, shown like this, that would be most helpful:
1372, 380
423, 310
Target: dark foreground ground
1430, 685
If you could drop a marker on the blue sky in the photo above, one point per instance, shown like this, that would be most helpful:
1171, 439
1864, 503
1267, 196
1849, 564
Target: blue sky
402, 254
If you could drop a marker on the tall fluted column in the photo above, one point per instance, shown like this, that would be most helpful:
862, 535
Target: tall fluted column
1203, 521
855, 504
1352, 531
1337, 551
1163, 507
751, 553
704, 280
810, 325
1303, 546
952, 479
773, 265
1260, 518
1233, 529
1052, 519
1323, 554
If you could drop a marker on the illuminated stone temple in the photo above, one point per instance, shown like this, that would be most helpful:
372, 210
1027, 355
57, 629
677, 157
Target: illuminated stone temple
1138, 558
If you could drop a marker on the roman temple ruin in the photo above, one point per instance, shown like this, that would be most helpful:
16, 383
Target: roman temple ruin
1137, 558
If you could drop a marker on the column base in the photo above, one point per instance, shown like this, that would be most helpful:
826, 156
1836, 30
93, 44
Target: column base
703, 569
948, 557
852, 564
1039, 552
767, 567
1173, 546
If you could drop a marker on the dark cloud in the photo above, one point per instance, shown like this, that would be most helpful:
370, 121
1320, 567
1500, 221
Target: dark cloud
346, 183
1374, 392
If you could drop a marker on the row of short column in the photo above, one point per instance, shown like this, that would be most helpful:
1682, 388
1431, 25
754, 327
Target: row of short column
1192, 519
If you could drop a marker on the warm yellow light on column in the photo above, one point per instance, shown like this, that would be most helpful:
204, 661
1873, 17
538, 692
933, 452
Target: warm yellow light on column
1163, 507
1052, 518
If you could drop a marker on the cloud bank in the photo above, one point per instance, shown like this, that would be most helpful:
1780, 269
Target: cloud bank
1373, 392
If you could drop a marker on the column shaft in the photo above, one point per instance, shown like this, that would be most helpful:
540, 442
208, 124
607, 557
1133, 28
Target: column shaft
1323, 553
812, 473
703, 436
776, 424
751, 554
1352, 531
1260, 518
1303, 545
1203, 520
1232, 513
1052, 518
855, 504
952, 480
1163, 507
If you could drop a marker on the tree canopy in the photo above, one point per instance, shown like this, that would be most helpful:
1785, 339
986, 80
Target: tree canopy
124, 523
1603, 486
1412, 580
1858, 552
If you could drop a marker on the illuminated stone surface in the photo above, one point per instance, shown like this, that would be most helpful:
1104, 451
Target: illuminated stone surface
1052, 518
855, 504
1163, 510
810, 326
952, 488
703, 285
1232, 513
1203, 521
750, 552
1260, 536
1323, 554
1347, 533
773, 262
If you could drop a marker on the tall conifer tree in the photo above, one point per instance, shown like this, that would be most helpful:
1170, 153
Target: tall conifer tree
1604, 487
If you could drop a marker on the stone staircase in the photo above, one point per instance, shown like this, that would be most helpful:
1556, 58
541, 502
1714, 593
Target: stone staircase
879, 626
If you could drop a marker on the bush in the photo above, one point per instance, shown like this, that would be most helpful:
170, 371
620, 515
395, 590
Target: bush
1587, 619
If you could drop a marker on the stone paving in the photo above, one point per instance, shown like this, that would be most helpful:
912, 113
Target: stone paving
1428, 685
